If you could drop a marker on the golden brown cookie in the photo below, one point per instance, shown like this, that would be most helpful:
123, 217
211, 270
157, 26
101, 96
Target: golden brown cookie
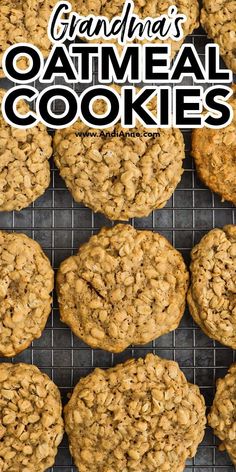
145, 8
31, 425
25, 21
223, 411
212, 294
139, 416
123, 287
218, 18
24, 162
26, 282
121, 176
214, 152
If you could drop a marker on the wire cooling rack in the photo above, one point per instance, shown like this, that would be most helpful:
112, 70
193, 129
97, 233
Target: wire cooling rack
60, 225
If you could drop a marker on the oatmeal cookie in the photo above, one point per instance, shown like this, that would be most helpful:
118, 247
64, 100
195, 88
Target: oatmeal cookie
31, 425
143, 9
24, 162
25, 21
123, 287
26, 281
214, 152
120, 176
212, 294
139, 416
223, 413
218, 18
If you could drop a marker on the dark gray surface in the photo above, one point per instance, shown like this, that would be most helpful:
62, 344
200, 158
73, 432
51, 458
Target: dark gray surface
60, 226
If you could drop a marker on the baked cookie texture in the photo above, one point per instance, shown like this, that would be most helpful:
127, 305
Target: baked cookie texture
223, 411
123, 287
26, 282
214, 152
120, 176
24, 162
218, 18
31, 425
139, 416
25, 21
212, 294
144, 8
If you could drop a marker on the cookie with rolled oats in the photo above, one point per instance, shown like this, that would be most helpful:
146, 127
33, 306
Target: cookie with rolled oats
123, 287
31, 425
25, 21
143, 9
218, 18
139, 416
214, 152
212, 294
24, 162
26, 283
121, 175
222, 415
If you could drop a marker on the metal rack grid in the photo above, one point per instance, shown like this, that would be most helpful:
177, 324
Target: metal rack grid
60, 225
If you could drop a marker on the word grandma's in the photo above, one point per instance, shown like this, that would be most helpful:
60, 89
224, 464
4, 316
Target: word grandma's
126, 27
